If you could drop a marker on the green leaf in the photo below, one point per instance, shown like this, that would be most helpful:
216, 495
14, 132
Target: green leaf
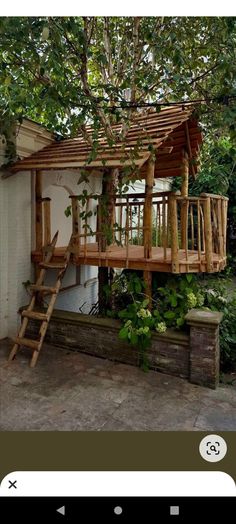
169, 315
134, 339
123, 333
189, 278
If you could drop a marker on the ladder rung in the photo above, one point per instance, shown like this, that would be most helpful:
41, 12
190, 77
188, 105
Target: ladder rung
32, 344
43, 289
52, 265
35, 315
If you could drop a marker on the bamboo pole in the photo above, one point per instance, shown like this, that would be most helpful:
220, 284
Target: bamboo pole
139, 218
164, 238
220, 229
186, 231
224, 205
147, 221
208, 233
202, 229
174, 234
156, 225
184, 193
127, 233
199, 231
47, 221
38, 223
192, 227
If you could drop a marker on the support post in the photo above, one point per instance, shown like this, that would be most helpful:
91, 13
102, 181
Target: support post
147, 219
184, 206
38, 220
147, 224
38, 211
204, 347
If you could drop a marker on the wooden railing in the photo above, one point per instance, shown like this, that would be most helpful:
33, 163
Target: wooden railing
200, 226
181, 227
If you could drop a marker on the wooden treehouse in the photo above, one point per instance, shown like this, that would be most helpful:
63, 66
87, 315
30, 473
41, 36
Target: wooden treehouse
165, 232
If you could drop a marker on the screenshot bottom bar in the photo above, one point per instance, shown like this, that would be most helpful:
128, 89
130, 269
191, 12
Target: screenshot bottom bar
117, 509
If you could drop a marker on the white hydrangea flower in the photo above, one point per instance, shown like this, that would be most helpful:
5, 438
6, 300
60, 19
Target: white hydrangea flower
191, 300
144, 313
200, 299
161, 327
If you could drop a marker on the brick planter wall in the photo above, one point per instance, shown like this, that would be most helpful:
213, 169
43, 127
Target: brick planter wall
194, 356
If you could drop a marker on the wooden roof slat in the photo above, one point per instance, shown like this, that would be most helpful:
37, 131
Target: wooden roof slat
160, 129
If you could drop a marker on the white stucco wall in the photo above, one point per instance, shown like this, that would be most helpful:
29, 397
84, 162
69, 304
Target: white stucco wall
15, 245
16, 226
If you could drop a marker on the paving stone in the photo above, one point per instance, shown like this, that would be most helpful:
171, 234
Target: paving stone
70, 391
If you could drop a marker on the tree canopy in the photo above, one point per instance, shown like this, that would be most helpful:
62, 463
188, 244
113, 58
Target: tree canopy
65, 71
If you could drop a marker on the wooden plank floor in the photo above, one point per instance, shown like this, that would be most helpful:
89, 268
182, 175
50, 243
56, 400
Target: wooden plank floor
115, 256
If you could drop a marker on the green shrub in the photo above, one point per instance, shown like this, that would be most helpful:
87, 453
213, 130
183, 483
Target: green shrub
171, 303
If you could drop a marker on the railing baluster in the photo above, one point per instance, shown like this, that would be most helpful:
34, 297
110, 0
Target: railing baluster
139, 219
174, 234
127, 232
164, 226
186, 232
156, 225
192, 227
220, 229
199, 231
208, 233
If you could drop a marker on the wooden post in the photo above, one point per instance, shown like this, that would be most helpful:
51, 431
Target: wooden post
147, 218
147, 224
38, 211
208, 233
174, 234
38, 221
184, 193
47, 221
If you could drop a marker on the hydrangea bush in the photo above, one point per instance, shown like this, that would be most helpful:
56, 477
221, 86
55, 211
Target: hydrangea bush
170, 305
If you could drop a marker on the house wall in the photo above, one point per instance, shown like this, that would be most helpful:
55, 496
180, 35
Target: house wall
15, 227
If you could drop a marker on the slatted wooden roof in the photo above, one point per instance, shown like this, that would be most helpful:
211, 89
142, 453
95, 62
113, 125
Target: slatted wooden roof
167, 132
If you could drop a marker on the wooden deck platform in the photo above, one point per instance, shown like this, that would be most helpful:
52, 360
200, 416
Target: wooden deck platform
116, 257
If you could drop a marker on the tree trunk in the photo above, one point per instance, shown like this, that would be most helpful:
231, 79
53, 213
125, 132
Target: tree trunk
106, 213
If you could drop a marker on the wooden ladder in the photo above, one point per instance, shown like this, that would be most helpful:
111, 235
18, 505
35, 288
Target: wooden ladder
37, 288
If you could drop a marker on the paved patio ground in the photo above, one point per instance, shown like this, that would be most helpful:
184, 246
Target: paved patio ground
74, 392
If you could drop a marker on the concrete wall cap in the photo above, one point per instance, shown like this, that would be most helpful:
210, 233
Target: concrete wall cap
199, 316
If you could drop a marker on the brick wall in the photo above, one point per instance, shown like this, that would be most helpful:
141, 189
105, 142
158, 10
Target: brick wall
193, 355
